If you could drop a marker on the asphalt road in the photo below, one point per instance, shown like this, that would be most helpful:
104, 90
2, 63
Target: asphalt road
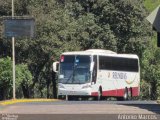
85, 108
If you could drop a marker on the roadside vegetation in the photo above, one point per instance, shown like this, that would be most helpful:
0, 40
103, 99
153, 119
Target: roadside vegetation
70, 25
151, 4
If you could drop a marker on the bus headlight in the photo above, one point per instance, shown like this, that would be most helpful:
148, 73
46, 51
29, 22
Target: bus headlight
61, 86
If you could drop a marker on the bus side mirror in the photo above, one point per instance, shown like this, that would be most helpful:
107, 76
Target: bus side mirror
55, 66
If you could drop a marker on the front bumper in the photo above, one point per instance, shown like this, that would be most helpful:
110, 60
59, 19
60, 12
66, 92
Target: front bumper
83, 92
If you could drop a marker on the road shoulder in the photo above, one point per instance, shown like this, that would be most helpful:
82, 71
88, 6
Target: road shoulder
14, 101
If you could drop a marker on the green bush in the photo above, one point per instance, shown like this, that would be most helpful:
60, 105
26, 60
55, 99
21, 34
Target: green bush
23, 79
145, 90
5, 78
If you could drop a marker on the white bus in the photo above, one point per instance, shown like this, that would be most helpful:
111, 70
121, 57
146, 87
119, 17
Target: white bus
98, 73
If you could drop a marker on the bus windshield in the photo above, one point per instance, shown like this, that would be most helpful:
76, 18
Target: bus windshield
74, 69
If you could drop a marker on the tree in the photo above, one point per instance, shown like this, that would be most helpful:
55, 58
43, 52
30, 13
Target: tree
5, 78
71, 25
151, 69
23, 79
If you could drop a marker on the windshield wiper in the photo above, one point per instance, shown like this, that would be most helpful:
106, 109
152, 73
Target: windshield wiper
69, 78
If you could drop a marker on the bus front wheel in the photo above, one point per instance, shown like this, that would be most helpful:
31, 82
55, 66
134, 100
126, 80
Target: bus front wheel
99, 97
125, 96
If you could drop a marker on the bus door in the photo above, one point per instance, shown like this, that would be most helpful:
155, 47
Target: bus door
94, 74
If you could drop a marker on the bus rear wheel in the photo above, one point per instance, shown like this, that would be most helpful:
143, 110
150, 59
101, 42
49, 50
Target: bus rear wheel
130, 94
125, 95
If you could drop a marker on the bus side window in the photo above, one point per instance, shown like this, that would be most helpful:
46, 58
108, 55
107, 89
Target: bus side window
94, 73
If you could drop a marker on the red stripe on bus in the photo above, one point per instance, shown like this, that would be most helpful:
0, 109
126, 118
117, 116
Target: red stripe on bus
118, 92
135, 91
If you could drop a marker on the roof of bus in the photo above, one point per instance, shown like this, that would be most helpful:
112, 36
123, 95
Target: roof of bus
100, 52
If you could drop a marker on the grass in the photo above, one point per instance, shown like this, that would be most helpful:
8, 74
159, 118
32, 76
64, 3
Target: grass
151, 4
14, 101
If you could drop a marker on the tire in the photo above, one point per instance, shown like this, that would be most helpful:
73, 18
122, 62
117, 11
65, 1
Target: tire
125, 96
130, 94
72, 98
99, 97
60, 97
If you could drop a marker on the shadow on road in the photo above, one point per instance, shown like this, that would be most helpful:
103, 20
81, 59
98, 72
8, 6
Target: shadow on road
155, 108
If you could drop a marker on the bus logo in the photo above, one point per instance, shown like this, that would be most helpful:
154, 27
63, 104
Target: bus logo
129, 81
119, 75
